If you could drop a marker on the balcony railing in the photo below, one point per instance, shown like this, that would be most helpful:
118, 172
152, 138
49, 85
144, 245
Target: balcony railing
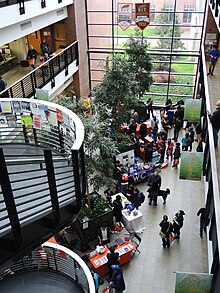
215, 5
54, 258
42, 176
26, 86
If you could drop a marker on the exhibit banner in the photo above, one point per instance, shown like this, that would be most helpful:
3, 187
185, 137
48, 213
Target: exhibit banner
142, 15
192, 111
193, 282
191, 165
124, 16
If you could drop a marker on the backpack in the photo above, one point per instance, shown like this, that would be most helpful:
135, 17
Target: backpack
141, 197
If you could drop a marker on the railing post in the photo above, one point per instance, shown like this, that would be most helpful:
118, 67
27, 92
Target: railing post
43, 3
52, 185
25, 134
77, 54
52, 77
22, 88
10, 204
21, 7
66, 63
75, 162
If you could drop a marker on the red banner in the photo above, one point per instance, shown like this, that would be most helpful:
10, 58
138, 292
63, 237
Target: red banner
124, 15
142, 15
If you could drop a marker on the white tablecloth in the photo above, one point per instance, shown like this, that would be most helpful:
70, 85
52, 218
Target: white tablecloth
133, 223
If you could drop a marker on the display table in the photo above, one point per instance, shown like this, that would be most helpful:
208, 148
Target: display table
133, 223
99, 262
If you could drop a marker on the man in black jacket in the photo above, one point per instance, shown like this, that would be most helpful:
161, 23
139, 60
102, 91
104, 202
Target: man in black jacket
32, 54
166, 229
202, 212
154, 181
178, 223
215, 120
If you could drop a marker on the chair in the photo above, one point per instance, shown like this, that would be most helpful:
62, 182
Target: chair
136, 240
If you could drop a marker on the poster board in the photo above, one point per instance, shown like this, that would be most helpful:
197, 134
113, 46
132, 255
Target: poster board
192, 111
124, 16
42, 94
191, 166
142, 15
193, 282
126, 157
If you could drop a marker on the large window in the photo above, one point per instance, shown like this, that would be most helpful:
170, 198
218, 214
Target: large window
187, 14
174, 46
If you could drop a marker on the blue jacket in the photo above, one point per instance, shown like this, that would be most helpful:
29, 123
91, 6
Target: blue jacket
214, 55
118, 281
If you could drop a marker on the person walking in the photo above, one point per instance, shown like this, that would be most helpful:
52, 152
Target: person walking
166, 230
202, 213
154, 181
117, 281
192, 137
215, 120
113, 259
178, 223
32, 56
176, 155
214, 54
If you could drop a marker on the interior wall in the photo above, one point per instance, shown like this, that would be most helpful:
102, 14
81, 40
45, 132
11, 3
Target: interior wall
19, 49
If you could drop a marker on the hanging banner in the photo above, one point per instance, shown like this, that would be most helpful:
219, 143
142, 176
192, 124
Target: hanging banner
142, 15
191, 166
193, 282
192, 111
124, 17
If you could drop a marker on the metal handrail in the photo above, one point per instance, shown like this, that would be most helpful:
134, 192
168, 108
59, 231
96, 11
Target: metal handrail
57, 258
37, 78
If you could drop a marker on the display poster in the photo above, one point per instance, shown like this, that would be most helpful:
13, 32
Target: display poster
26, 120
59, 115
34, 109
25, 107
193, 282
6, 107
42, 94
52, 117
65, 120
191, 165
16, 106
126, 157
142, 15
12, 121
192, 111
45, 126
124, 16
37, 122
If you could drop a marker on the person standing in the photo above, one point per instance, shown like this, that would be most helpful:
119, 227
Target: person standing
104, 234
169, 151
162, 151
177, 127
165, 232
178, 223
214, 54
113, 259
154, 181
215, 120
3, 85
143, 130
32, 56
117, 208
96, 279
117, 281
192, 136
45, 48
150, 107
202, 212
176, 155
185, 142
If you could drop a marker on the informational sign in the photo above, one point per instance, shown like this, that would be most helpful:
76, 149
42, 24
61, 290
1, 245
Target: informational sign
124, 15
42, 94
142, 15
126, 157
193, 282
192, 111
191, 165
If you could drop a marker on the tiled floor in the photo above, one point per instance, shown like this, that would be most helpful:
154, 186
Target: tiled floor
15, 74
